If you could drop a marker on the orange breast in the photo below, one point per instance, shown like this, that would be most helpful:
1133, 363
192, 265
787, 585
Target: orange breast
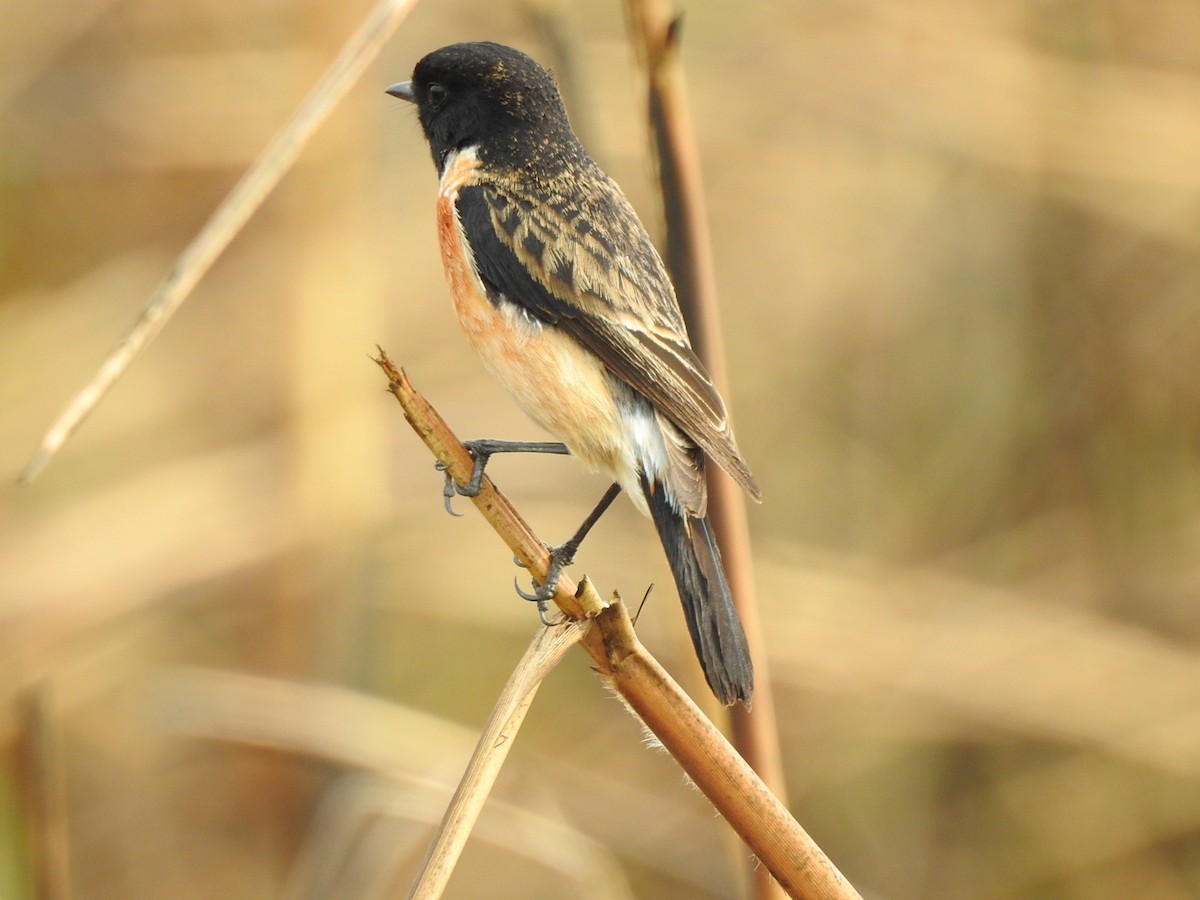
559, 384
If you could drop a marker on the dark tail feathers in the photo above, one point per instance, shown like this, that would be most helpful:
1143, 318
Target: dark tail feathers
707, 603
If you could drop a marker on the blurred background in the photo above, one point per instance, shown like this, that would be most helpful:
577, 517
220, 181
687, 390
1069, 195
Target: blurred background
244, 651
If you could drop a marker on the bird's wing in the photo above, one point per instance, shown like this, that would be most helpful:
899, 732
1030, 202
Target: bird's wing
585, 264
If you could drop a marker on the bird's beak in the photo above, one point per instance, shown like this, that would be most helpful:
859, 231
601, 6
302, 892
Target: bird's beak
403, 90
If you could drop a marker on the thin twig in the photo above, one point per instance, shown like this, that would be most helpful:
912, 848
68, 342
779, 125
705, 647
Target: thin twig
738, 794
690, 260
548, 647
228, 219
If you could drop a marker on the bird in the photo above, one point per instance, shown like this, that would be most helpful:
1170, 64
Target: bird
561, 292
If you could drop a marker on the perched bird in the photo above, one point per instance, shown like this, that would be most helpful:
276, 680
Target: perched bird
561, 292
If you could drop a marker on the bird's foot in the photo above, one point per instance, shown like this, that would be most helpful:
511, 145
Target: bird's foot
560, 557
481, 451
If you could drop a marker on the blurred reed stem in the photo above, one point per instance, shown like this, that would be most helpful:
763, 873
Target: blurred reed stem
689, 258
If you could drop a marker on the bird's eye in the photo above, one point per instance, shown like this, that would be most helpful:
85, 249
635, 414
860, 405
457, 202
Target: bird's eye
437, 94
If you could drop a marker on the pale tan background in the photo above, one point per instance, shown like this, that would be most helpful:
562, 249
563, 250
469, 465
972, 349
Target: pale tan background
958, 246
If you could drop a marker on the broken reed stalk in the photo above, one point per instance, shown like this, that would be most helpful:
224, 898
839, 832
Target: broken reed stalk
226, 222
688, 253
738, 794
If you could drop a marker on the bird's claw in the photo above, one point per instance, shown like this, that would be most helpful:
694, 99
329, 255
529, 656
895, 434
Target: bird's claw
541, 608
543, 603
471, 489
449, 489
560, 557
539, 595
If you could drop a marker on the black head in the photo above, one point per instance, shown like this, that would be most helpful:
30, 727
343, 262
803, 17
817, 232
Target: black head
485, 94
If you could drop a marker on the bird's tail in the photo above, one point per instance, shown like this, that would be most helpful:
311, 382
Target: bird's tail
708, 606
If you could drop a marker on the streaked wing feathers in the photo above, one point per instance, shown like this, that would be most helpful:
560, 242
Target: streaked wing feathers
560, 259
685, 474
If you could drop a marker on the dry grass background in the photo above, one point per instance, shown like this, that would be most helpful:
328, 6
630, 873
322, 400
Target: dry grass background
958, 247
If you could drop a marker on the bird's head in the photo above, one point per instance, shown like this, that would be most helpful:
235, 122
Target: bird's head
483, 94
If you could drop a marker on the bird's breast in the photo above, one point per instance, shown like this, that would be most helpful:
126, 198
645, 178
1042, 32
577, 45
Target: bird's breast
559, 384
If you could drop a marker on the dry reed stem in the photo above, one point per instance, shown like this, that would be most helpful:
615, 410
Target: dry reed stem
544, 653
576, 601
689, 258
42, 782
786, 851
228, 219
732, 786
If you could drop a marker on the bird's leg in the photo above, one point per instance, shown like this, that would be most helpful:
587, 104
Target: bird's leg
482, 451
564, 554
